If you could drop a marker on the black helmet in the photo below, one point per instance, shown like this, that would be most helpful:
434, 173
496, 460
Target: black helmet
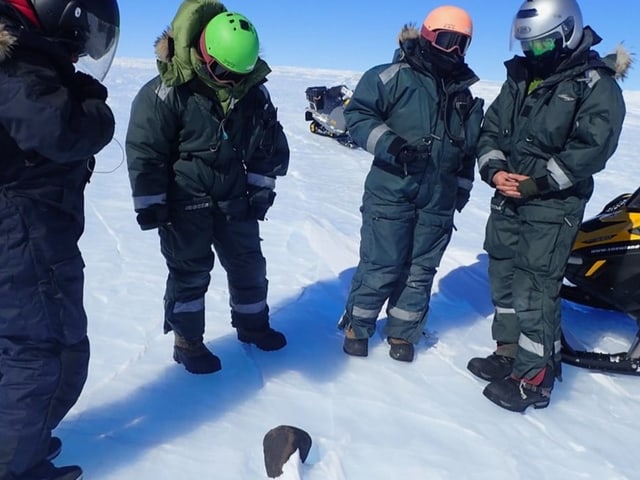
90, 28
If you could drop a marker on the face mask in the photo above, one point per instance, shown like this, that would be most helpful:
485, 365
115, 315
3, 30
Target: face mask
442, 63
542, 66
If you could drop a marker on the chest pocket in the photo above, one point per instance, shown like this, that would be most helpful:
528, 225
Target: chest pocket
551, 117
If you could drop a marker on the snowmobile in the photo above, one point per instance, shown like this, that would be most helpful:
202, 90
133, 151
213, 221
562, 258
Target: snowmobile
604, 272
326, 112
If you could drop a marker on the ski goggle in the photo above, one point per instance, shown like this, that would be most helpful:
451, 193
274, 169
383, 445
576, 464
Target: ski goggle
218, 72
540, 46
447, 40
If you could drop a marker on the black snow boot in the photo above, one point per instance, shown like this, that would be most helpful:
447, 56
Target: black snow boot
356, 347
400, 349
266, 339
195, 356
55, 447
491, 368
517, 394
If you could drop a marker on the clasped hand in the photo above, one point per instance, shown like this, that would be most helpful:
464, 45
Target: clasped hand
508, 183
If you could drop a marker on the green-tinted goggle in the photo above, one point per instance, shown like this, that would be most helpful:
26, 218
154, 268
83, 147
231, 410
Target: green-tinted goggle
540, 46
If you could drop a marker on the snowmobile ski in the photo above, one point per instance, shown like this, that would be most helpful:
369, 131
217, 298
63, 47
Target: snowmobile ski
624, 362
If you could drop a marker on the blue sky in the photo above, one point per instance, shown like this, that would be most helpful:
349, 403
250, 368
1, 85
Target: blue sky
357, 35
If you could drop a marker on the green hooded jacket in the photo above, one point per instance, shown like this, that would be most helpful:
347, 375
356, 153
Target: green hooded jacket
190, 137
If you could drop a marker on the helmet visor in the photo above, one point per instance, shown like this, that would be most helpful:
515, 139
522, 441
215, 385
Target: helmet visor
101, 41
447, 41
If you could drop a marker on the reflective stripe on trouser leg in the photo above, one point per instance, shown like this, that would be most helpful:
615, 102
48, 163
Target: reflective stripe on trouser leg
237, 244
385, 244
409, 301
501, 243
185, 318
547, 233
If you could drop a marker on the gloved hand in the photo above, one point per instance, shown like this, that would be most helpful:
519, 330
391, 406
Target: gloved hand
260, 199
85, 86
532, 187
462, 198
413, 160
153, 216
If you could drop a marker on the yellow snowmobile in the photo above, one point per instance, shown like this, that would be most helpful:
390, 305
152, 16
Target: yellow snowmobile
604, 272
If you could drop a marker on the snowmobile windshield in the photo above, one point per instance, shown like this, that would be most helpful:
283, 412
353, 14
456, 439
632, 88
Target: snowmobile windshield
633, 203
99, 48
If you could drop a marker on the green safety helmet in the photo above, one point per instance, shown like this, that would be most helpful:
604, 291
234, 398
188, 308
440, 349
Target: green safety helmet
232, 40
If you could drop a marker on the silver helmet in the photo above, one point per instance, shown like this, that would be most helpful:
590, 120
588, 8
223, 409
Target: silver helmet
538, 19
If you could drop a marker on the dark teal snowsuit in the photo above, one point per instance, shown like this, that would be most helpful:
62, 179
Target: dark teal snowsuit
407, 217
561, 133
210, 154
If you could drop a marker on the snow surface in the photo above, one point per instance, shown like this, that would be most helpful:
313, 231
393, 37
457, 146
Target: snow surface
143, 416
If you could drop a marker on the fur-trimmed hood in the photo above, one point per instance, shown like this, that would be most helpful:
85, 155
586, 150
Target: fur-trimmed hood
409, 33
177, 56
8, 40
179, 61
620, 61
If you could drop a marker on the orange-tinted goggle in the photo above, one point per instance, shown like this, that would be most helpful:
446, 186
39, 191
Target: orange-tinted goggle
447, 41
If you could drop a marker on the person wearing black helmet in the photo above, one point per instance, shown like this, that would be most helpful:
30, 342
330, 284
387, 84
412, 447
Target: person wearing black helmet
53, 120
554, 124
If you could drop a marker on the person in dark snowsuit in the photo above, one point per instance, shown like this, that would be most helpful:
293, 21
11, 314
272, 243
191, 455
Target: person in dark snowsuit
554, 124
419, 119
204, 148
53, 120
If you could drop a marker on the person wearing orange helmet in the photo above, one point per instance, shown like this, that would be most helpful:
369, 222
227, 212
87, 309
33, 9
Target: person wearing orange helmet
554, 124
420, 121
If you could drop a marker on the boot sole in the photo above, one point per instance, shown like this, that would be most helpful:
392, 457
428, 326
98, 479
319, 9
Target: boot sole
516, 408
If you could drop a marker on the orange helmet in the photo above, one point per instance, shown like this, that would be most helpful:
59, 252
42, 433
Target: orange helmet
448, 19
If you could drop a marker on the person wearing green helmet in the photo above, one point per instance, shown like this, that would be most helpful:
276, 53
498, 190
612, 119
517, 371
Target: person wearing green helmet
229, 44
204, 148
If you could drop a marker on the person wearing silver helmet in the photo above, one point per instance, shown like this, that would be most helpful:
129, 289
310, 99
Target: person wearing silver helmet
554, 124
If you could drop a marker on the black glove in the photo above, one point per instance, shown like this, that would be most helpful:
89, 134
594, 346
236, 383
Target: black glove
532, 187
462, 198
153, 216
85, 86
260, 199
413, 160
